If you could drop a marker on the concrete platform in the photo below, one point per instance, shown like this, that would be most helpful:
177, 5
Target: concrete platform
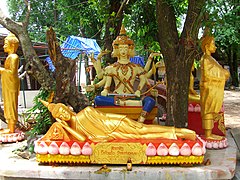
223, 166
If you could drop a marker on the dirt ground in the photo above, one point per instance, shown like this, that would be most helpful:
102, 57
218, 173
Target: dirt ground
232, 108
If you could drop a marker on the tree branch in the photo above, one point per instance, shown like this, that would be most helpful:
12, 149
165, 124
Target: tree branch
26, 20
192, 23
167, 29
8, 23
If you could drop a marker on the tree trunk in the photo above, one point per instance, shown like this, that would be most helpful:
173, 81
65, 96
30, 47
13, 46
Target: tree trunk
66, 89
179, 53
34, 66
233, 65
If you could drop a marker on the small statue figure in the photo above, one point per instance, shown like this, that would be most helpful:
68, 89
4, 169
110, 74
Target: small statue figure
10, 81
129, 164
213, 78
124, 74
91, 124
193, 96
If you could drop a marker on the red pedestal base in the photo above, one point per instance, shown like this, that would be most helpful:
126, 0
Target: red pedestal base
195, 120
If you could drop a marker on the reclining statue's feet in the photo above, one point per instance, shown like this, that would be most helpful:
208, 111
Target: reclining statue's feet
185, 133
141, 119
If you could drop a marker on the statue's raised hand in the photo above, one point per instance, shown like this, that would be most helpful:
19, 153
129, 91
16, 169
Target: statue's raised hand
154, 54
91, 56
138, 93
104, 92
102, 53
90, 88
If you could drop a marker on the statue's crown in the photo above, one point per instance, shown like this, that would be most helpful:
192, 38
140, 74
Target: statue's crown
122, 38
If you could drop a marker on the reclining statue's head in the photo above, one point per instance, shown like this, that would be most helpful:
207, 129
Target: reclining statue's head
123, 46
11, 43
59, 110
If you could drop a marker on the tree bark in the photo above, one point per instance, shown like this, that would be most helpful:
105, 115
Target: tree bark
233, 65
179, 53
34, 66
66, 89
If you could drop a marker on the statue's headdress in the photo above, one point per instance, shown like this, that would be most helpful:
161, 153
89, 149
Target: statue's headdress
53, 108
11, 37
122, 38
206, 38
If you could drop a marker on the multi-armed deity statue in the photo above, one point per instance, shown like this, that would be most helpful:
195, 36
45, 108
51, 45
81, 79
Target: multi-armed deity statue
124, 74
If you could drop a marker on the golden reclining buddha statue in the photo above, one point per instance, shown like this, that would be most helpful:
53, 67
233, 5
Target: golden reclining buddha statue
91, 124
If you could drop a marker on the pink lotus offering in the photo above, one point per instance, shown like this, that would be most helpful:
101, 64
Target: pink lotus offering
174, 150
75, 149
42, 148
197, 150
87, 150
64, 149
162, 150
185, 150
53, 148
151, 150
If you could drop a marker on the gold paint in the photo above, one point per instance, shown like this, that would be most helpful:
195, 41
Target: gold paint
10, 81
118, 153
213, 77
132, 112
175, 160
58, 158
220, 120
103, 127
193, 96
49, 158
123, 72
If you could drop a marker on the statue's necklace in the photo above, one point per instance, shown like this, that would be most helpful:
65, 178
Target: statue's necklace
123, 68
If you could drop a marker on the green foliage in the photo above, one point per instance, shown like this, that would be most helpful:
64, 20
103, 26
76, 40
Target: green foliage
140, 21
92, 95
89, 18
40, 114
196, 64
224, 19
71, 17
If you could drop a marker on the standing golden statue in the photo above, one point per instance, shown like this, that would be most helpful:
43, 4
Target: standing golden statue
10, 81
213, 77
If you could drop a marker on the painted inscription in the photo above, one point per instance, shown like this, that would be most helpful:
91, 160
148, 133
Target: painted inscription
118, 153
